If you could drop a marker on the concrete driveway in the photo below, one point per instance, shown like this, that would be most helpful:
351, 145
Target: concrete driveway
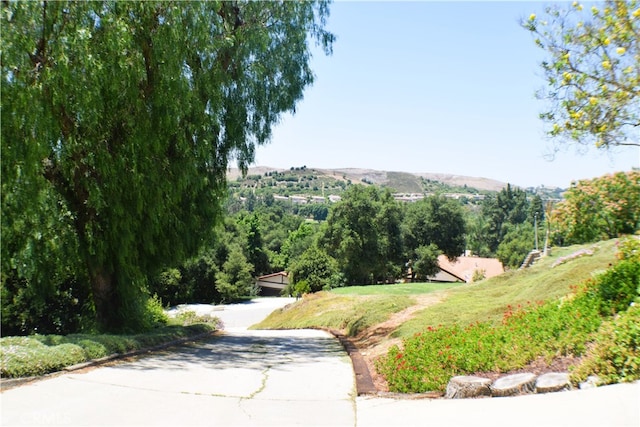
279, 378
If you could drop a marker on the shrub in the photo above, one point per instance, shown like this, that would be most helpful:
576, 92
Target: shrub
190, 317
29, 357
615, 356
428, 360
41, 354
154, 313
618, 286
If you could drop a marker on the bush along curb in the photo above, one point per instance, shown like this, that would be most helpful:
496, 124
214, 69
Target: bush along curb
9, 383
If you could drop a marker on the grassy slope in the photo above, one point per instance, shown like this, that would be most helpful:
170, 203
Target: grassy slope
398, 289
350, 313
486, 300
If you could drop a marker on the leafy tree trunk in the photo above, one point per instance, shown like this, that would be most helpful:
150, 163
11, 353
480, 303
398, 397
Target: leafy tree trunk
105, 299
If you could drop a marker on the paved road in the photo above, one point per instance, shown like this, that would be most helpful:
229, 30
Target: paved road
239, 378
279, 378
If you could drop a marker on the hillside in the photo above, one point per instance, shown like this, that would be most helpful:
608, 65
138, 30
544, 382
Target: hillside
376, 318
403, 182
309, 183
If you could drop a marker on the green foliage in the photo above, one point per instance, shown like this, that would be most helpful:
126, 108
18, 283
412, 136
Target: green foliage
507, 208
28, 309
517, 242
619, 286
436, 221
478, 275
155, 315
426, 261
477, 234
615, 357
123, 127
592, 71
363, 234
190, 317
297, 242
235, 281
256, 254
313, 271
599, 208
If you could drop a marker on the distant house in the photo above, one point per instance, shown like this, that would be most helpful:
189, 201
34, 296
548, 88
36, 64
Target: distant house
464, 268
271, 285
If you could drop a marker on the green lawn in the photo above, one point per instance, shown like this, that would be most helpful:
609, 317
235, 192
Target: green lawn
395, 289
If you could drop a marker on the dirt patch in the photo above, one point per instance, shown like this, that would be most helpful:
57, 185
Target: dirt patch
376, 341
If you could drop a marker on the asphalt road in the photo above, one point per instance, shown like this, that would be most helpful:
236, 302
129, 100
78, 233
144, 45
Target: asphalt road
278, 378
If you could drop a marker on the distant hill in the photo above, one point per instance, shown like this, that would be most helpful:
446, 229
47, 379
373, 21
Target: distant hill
403, 182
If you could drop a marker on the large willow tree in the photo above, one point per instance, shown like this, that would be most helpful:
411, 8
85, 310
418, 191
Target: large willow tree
125, 115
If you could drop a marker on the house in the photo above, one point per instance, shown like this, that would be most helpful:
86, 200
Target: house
463, 268
271, 285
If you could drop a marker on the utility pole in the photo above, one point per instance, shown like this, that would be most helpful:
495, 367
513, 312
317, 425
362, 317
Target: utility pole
535, 227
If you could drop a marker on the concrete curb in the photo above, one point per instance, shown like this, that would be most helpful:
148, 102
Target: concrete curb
364, 381
9, 383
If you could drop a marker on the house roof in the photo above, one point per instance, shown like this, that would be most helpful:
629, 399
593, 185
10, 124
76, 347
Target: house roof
268, 276
464, 267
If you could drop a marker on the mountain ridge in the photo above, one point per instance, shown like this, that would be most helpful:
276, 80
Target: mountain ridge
401, 181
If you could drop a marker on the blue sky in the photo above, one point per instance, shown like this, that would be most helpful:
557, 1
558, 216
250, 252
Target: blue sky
442, 87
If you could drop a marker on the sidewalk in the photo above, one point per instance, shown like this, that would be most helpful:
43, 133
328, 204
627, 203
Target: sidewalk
607, 406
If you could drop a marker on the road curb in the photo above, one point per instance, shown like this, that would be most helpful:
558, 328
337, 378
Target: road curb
364, 381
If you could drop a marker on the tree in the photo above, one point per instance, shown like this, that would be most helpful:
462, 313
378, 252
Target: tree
234, 281
508, 207
362, 233
518, 241
315, 269
256, 254
477, 234
600, 208
297, 243
426, 261
592, 71
127, 114
435, 220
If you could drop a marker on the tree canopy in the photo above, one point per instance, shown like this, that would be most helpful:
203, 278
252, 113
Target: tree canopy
592, 71
599, 208
120, 118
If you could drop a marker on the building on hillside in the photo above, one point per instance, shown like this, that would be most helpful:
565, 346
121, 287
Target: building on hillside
463, 269
271, 285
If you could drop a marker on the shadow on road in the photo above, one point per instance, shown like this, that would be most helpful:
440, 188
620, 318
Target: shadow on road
253, 351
